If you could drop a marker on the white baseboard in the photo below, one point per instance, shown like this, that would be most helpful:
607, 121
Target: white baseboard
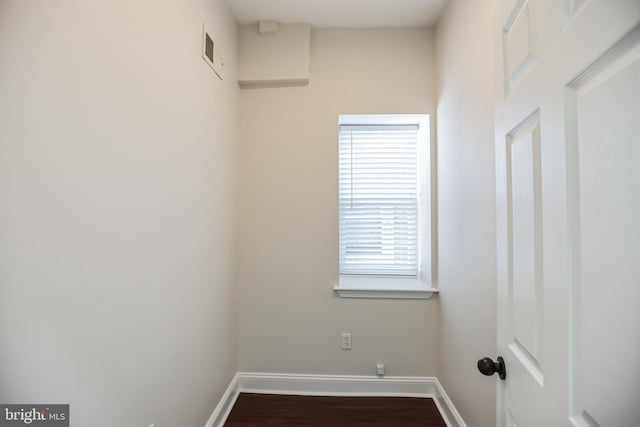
449, 412
335, 385
220, 414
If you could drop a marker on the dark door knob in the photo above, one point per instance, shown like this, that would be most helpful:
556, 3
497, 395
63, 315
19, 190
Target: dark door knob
488, 367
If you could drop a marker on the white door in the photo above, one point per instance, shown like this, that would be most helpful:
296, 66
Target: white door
568, 188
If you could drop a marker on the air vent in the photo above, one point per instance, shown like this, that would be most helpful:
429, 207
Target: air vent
211, 52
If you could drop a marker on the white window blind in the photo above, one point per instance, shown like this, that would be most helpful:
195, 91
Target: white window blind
378, 197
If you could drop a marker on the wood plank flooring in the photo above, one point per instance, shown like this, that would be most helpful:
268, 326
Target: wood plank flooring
257, 410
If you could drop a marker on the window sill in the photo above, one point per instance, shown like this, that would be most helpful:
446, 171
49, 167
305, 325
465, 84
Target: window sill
383, 287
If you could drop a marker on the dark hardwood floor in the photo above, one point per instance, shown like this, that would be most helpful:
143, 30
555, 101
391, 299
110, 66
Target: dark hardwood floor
254, 410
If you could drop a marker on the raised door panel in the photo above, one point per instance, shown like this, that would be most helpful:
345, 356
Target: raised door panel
525, 230
518, 44
524, 321
606, 285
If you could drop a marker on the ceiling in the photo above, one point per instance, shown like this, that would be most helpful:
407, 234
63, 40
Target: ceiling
340, 13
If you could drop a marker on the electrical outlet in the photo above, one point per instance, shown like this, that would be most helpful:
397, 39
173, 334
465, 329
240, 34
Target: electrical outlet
380, 369
346, 341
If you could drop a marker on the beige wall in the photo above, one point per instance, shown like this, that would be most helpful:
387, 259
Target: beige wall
466, 209
116, 195
289, 319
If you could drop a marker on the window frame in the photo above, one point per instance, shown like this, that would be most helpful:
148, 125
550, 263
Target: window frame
399, 287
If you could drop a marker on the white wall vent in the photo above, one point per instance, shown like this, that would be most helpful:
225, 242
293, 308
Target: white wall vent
211, 52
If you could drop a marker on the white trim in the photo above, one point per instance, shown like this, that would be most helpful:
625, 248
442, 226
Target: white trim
422, 120
383, 287
220, 414
449, 412
351, 291
336, 385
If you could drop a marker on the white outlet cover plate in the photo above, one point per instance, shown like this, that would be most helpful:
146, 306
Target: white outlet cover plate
346, 341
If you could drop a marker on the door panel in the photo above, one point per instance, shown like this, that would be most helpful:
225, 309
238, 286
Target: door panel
607, 254
568, 213
519, 43
524, 293
523, 159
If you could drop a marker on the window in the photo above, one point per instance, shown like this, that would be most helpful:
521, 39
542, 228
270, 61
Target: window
384, 206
